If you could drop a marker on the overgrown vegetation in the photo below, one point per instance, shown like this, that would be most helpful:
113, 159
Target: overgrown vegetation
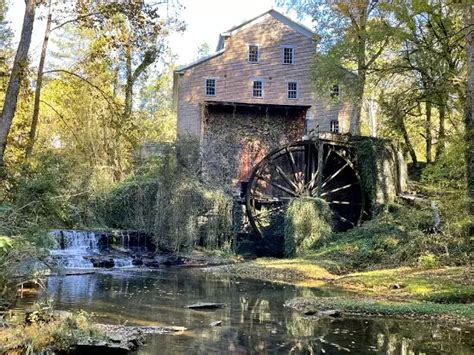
307, 222
171, 202
47, 331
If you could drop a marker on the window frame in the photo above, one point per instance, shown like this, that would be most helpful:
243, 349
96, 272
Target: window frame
336, 126
335, 91
283, 48
205, 87
262, 89
248, 53
296, 90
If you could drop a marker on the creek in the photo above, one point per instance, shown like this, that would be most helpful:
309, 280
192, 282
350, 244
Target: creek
254, 319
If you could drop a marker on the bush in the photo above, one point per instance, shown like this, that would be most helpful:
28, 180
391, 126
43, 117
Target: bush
307, 222
428, 261
449, 171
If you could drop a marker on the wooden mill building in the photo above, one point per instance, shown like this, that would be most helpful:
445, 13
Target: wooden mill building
252, 95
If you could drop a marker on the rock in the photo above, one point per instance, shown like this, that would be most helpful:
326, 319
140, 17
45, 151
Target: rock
326, 313
137, 261
216, 323
101, 261
149, 262
397, 286
330, 313
206, 305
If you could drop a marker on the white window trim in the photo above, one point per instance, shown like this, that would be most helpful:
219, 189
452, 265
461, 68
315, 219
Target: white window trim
297, 89
205, 86
258, 52
283, 54
263, 88
336, 122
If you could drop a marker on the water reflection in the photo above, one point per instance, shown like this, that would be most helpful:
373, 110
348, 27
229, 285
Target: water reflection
254, 320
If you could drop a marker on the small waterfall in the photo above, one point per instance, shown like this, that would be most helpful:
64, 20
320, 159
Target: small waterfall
72, 248
122, 263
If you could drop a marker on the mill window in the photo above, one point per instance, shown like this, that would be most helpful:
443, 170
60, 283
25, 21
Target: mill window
288, 55
257, 88
253, 53
334, 126
210, 87
292, 90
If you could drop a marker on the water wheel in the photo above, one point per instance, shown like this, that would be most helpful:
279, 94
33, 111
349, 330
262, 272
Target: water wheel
304, 169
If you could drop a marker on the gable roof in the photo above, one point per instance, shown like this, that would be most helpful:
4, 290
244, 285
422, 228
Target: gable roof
199, 61
305, 31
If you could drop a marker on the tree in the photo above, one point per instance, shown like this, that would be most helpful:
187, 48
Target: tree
469, 104
40, 72
39, 83
354, 35
5, 43
17, 75
203, 50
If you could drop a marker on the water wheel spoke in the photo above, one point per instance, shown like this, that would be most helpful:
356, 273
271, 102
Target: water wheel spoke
311, 184
268, 212
345, 203
327, 155
339, 189
278, 186
343, 219
335, 174
263, 196
291, 159
283, 175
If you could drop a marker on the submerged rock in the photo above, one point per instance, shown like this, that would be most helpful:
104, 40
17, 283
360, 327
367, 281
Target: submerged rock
206, 305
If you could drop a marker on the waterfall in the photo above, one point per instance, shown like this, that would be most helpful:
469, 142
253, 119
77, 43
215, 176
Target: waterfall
122, 262
73, 246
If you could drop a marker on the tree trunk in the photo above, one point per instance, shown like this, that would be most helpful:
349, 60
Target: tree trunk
39, 83
408, 144
469, 106
441, 131
428, 135
19, 64
129, 85
361, 67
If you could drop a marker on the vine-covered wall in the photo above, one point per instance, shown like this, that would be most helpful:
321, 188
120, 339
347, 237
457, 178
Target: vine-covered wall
235, 140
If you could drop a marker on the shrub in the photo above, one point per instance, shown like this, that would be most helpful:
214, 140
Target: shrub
428, 261
307, 222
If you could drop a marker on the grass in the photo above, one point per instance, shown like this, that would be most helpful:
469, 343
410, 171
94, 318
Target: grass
384, 308
442, 285
447, 290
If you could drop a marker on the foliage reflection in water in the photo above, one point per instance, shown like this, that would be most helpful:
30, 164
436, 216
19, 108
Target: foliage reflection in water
254, 320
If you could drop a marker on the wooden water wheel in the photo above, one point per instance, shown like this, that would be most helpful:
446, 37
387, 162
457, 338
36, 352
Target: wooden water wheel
304, 169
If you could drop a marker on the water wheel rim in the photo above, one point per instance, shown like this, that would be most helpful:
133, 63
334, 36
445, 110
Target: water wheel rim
307, 147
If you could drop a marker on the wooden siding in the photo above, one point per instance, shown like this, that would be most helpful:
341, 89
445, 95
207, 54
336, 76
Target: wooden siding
234, 76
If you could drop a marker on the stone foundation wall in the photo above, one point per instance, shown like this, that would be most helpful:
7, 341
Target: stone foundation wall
233, 142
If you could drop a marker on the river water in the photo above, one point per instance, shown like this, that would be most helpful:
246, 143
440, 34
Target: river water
254, 320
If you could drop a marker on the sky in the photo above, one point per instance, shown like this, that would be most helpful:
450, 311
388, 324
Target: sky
205, 20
